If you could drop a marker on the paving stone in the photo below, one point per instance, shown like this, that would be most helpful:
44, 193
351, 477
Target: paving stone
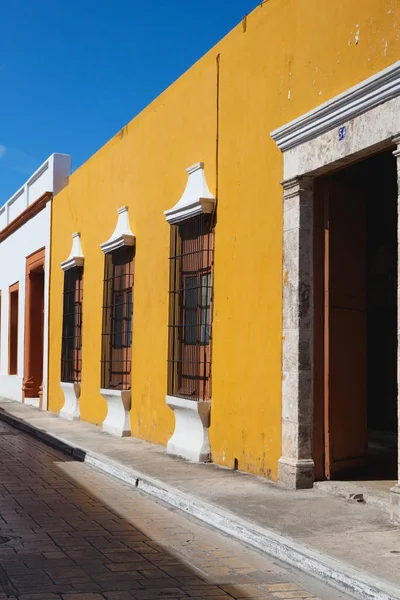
118, 596
291, 595
246, 591
30, 578
128, 566
39, 597
64, 572
14, 567
158, 583
281, 587
206, 592
82, 597
87, 586
159, 593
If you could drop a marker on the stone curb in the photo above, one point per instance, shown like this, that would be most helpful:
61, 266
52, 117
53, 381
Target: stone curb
330, 570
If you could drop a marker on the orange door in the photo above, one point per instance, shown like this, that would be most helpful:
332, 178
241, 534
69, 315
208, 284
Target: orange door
345, 332
34, 362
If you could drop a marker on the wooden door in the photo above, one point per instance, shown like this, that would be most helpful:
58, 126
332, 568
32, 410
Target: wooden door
345, 331
34, 351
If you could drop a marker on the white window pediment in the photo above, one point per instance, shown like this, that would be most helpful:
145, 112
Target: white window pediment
75, 258
196, 200
122, 235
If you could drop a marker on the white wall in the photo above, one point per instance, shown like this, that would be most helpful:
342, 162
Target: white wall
32, 236
51, 177
16, 205
3, 217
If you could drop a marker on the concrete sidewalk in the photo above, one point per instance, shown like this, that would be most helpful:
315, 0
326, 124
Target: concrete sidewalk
352, 545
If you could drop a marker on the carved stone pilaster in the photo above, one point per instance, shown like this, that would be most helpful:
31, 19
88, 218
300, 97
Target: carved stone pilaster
296, 466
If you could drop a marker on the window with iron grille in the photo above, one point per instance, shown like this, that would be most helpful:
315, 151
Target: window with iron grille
116, 351
71, 347
190, 308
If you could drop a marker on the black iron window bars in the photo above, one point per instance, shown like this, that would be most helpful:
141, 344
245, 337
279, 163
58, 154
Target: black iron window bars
116, 352
71, 346
190, 308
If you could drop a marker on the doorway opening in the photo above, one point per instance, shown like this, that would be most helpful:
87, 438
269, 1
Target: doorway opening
34, 330
13, 330
355, 343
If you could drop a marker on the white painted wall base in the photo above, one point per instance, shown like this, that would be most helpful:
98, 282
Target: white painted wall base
190, 439
32, 402
11, 387
117, 421
70, 409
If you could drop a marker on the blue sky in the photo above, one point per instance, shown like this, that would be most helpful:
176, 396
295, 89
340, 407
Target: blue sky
73, 72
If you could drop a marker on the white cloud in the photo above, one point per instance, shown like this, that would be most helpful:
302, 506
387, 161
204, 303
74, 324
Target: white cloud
2, 150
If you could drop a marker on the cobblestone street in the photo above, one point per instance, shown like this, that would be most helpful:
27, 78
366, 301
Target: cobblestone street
70, 532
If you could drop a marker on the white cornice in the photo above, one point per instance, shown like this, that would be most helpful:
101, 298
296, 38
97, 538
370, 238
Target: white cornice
50, 178
75, 258
364, 96
122, 235
196, 200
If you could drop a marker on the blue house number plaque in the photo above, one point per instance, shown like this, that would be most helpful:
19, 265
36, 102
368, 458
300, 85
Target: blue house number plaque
342, 133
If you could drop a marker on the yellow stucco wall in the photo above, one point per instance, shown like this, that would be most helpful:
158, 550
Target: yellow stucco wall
291, 56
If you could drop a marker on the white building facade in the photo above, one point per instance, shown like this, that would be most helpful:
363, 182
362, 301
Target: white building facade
25, 224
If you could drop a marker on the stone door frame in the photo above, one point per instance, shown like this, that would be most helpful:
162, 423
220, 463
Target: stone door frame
363, 120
